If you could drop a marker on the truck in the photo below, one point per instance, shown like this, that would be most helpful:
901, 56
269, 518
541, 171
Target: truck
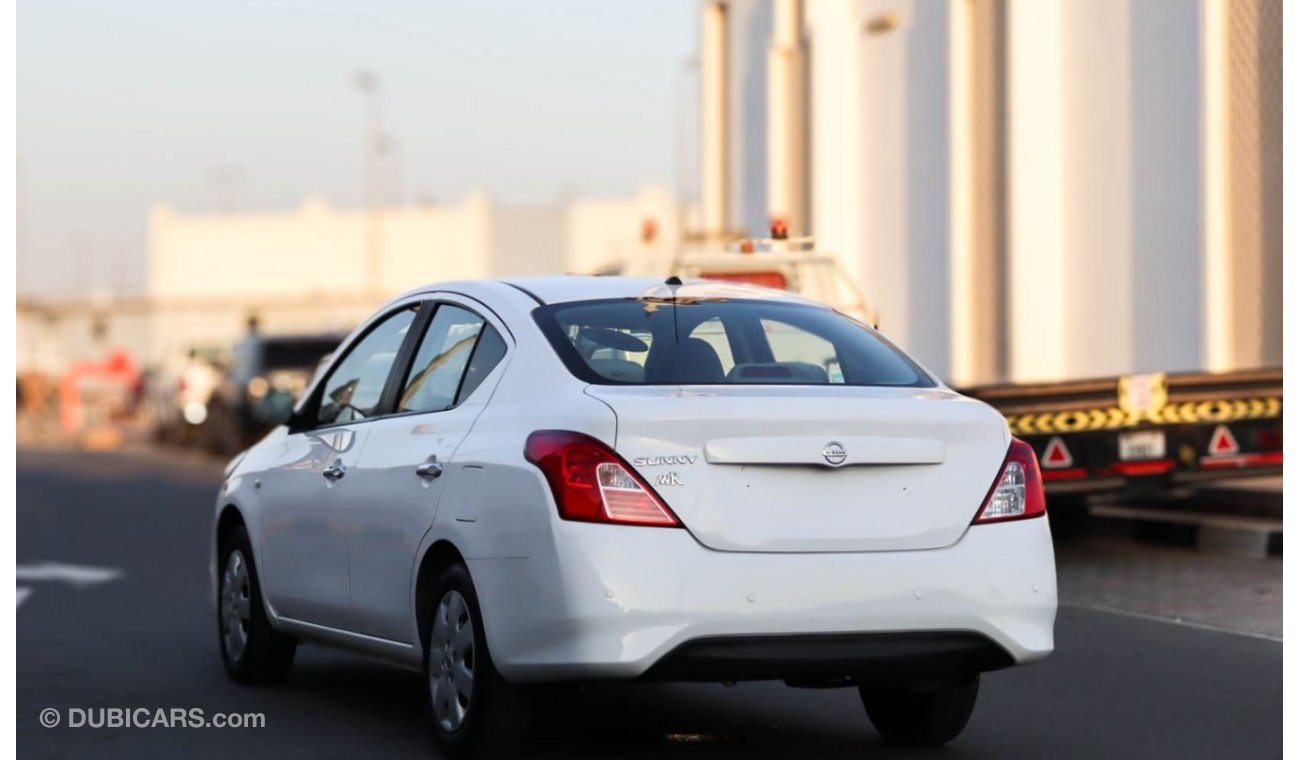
1144, 432
783, 264
1127, 434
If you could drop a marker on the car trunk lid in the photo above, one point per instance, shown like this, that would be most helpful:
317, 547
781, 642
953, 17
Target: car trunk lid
812, 469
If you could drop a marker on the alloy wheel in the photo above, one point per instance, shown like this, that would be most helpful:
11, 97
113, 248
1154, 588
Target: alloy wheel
451, 661
236, 605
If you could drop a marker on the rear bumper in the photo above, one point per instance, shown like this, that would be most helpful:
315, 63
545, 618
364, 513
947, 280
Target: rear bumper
828, 657
627, 602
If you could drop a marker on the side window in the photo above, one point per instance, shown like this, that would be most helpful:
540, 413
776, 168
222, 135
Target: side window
352, 389
489, 352
440, 363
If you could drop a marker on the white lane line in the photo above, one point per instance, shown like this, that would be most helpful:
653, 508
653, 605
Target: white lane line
1184, 622
78, 576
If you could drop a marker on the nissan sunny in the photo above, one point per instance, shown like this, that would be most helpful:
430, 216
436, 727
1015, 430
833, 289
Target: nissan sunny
537, 481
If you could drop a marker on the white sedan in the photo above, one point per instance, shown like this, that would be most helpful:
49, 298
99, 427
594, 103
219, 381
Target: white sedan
565, 479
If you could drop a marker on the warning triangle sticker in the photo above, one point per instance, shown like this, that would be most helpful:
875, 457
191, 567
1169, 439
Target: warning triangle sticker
1222, 442
1056, 454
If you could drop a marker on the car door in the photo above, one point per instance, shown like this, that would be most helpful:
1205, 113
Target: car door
307, 494
408, 461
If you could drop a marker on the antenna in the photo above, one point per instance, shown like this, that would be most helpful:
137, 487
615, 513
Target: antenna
673, 283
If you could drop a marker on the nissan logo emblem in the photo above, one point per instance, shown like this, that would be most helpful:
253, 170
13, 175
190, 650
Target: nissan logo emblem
834, 453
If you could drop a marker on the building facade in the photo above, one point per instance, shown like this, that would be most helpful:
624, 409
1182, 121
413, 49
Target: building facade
320, 268
1028, 189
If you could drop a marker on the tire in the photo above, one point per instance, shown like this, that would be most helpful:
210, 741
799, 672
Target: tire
920, 717
481, 713
252, 650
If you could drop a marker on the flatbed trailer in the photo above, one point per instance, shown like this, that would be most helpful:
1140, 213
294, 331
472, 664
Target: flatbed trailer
1145, 432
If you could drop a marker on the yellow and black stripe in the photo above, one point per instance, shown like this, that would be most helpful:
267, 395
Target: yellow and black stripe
1115, 418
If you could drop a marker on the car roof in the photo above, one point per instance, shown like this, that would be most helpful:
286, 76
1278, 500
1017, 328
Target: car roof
566, 288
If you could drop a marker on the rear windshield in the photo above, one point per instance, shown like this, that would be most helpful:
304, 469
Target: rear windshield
654, 341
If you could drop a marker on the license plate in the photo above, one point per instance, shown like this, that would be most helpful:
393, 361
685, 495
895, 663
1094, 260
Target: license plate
1142, 445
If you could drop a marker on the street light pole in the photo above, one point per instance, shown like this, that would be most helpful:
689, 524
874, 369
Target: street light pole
368, 83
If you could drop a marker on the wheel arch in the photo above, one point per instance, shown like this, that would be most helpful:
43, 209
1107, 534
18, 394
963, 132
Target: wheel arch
229, 519
440, 555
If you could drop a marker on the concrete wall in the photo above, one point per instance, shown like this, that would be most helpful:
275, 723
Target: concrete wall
1097, 193
318, 249
880, 168
1241, 76
750, 23
1166, 183
524, 241
1036, 208
835, 126
1136, 145
1106, 211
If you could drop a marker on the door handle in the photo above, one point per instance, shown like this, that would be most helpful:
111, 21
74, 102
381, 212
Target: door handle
334, 471
430, 469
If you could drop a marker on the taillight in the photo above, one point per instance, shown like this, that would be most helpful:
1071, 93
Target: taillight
1017, 492
591, 483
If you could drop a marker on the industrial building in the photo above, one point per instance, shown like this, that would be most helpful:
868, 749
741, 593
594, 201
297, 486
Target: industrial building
1024, 189
323, 268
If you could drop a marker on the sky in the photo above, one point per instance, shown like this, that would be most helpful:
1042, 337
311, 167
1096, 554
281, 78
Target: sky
252, 106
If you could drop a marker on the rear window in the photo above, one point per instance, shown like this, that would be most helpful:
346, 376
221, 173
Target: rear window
654, 341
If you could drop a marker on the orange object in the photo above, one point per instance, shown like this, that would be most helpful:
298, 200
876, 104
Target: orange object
774, 280
116, 373
649, 229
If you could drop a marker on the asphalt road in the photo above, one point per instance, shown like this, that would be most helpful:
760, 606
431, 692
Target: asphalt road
1118, 686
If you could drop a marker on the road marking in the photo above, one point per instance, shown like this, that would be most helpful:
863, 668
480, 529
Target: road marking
1178, 621
78, 576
